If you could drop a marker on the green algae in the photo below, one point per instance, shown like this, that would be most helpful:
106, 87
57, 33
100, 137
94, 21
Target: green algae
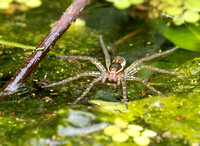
26, 118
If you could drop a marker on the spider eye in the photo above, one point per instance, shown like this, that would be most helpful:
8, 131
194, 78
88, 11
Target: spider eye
119, 60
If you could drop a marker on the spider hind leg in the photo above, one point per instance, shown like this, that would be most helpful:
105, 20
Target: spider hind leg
88, 89
123, 82
155, 69
146, 84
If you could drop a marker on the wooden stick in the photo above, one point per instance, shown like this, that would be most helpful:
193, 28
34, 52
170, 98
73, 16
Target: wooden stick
21, 76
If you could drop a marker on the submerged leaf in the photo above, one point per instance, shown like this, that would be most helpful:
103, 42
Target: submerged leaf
70, 130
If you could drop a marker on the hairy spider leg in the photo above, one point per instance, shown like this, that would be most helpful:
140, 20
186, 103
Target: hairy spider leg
123, 81
107, 56
92, 60
145, 83
88, 89
128, 69
154, 69
88, 73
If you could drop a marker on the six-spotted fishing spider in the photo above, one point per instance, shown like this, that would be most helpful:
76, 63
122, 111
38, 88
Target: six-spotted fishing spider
114, 71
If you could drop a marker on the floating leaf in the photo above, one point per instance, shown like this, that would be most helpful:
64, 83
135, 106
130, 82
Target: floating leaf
186, 37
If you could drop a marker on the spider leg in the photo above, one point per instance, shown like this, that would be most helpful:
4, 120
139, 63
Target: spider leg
105, 76
118, 81
107, 56
89, 73
88, 89
92, 60
123, 81
154, 69
145, 83
149, 58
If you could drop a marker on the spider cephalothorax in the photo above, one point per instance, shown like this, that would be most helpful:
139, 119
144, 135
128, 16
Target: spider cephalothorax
115, 71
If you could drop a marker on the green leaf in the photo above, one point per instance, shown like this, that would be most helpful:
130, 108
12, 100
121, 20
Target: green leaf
186, 37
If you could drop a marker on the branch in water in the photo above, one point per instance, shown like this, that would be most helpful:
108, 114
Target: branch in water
21, 76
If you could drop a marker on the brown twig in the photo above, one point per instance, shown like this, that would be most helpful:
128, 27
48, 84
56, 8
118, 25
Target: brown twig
21, 76
127, 36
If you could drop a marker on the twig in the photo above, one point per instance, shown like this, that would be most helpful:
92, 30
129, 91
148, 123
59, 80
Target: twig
21, 76
126, 37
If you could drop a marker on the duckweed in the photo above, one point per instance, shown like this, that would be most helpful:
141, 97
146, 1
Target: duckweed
120, 123
191, 16
111, 130
33, 3
174, 11
141, 140
123, 4
132, 133
128, 130
120, 137
187, 10
135, 127
149, 133
6, 4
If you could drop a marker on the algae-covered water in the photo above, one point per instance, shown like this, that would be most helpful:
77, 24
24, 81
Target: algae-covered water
36, 116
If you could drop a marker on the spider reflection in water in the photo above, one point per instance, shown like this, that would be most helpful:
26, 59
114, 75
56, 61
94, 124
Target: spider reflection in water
115, 71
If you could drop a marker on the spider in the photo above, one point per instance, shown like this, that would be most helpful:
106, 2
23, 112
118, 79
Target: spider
115, 71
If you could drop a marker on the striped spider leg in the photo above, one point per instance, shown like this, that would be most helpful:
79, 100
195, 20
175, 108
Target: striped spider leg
100, 75
97, 74
134, 68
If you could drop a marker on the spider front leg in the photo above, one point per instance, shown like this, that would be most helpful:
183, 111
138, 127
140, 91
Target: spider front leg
154, 69
145, 83
88, 89
88, 73
132, 66
107, 56
123, 81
